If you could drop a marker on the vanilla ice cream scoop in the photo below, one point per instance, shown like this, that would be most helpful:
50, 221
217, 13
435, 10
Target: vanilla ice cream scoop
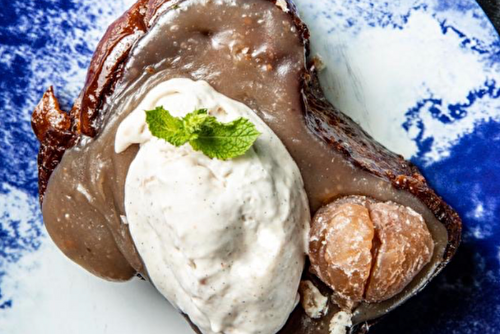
223, 241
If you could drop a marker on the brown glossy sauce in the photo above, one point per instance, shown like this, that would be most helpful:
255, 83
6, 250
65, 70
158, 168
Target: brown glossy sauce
248, 50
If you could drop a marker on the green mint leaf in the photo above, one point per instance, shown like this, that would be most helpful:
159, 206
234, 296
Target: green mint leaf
193, 122
165, 126
215, 139
225, 141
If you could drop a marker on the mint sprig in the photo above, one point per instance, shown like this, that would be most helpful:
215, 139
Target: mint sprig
203, 132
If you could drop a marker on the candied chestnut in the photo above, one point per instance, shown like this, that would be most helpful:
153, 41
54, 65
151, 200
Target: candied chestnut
368, 251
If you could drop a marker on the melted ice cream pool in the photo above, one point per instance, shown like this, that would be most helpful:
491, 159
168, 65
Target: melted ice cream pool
223, 241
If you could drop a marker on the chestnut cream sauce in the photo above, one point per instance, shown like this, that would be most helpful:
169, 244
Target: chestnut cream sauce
250, 51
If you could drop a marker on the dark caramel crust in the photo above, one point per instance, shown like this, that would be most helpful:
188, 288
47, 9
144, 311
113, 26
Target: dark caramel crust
52, 127
105, 67
58, 131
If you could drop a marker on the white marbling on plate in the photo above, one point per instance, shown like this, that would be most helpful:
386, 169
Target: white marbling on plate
380, 64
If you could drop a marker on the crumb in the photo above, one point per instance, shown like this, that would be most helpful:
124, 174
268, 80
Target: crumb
340, 322
314, 303
318, 62
283, 5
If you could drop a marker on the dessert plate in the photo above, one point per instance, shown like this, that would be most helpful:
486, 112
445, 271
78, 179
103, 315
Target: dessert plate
421, 76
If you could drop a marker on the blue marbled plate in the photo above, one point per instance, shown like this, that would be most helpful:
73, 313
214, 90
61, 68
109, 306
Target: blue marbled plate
422, 76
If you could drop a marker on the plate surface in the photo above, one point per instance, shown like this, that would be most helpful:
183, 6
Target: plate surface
422, 76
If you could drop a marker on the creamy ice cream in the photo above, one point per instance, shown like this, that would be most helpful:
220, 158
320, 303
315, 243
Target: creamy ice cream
223, 241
